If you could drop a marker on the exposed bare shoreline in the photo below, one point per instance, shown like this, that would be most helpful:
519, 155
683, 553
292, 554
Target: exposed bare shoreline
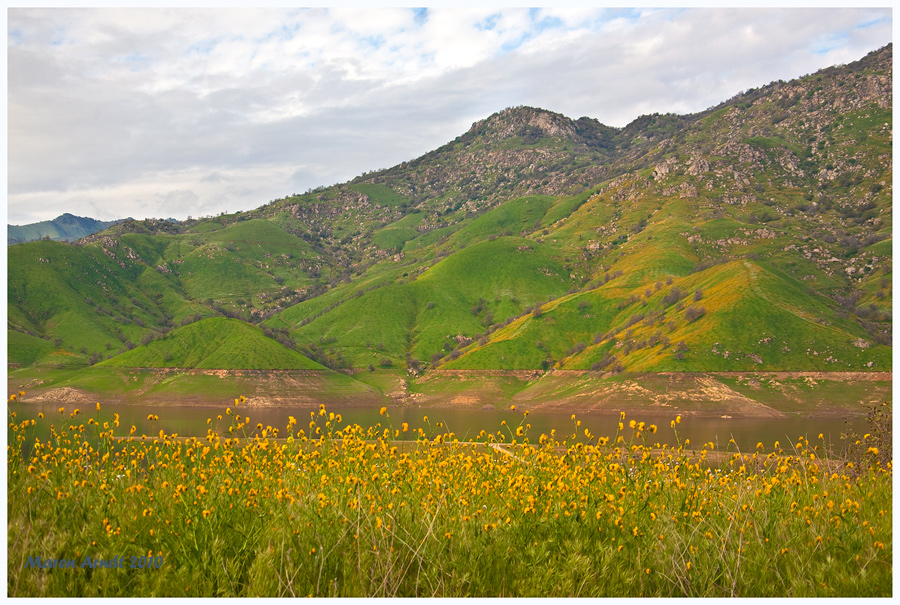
711, 394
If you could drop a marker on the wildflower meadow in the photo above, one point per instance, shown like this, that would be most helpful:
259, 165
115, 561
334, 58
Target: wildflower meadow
322, 508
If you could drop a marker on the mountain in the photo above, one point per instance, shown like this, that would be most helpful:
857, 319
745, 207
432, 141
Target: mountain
753, 236
64, 228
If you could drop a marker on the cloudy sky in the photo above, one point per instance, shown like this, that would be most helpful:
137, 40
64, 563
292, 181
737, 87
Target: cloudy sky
175, 112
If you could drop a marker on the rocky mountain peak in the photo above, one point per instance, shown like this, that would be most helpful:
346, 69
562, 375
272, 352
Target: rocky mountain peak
530, 123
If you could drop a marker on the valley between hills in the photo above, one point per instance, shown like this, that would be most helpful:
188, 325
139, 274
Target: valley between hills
734, 262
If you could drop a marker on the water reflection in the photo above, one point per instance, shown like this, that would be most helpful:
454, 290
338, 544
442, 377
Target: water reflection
465, 423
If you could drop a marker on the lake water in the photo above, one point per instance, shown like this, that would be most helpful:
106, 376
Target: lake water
465, 423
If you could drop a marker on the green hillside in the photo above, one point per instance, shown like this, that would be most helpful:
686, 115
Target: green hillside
422, 317
755, 236
82, 301
212, 344
23, 349
746, 317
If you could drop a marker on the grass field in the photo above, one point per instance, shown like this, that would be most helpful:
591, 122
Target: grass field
320, 508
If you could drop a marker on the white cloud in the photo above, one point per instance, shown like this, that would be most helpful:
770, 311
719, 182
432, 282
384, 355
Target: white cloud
146, 111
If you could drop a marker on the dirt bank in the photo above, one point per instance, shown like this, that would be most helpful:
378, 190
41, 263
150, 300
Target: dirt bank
735, 394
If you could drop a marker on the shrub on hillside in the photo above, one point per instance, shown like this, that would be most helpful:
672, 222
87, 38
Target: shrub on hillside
606, 361
578, 348
637, 317
694, 313
674, 295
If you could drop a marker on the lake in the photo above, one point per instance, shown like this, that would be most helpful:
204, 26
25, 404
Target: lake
465, 423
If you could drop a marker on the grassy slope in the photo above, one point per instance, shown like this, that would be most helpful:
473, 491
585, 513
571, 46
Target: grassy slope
51, 284
380, 194
214, 343
754, 318
510, 218
507, 274
418, 317
25, 349
241, 261
399, 232
97, 297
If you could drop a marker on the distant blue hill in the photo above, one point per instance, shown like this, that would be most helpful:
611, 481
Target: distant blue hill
65, 228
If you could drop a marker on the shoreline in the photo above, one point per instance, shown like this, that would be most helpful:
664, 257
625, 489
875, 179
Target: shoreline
344, 405
772, 394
